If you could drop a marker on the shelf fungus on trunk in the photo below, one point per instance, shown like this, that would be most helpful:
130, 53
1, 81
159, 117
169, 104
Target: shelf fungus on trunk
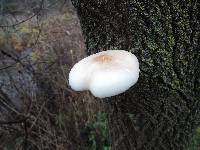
106, 73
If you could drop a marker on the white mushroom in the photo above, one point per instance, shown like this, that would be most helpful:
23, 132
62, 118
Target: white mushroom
106, 73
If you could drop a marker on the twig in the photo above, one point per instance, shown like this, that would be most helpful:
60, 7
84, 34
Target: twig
13, 121
18, 23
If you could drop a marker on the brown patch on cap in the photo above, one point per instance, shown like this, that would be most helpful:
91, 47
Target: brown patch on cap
103, 58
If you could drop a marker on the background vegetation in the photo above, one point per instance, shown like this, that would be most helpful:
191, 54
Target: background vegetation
39, 43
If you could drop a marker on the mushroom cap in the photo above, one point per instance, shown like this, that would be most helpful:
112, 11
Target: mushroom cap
106, 73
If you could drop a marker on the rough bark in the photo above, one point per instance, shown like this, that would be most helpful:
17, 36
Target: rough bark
162, 110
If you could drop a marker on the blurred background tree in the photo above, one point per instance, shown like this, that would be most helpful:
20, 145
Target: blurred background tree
39, 43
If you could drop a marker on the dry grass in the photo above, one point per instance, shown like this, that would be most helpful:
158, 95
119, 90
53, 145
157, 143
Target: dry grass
55, 114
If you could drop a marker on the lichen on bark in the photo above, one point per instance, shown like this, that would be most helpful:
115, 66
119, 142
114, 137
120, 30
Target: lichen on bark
164, 35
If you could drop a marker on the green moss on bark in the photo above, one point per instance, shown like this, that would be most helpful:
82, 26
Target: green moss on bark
165, 38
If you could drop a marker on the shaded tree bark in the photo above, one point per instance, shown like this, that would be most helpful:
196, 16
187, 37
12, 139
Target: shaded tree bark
162, 110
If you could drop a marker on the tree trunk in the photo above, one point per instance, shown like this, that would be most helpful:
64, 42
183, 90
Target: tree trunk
162, 110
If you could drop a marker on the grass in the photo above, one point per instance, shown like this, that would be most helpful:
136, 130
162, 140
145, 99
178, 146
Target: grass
97, 133
195, 144
56, 114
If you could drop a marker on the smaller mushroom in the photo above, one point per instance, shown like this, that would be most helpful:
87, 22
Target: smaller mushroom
106, 73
